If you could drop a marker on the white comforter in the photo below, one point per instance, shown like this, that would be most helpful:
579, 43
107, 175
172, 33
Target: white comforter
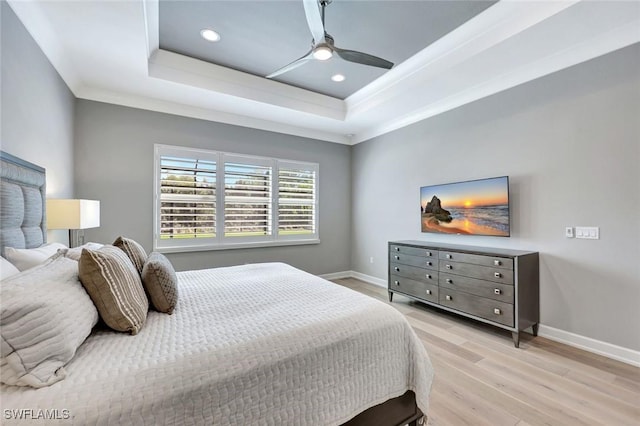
263, 344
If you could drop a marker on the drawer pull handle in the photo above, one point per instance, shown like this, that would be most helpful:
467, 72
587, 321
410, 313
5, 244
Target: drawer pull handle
428, 253
397, 248
448, 266
497, 291
397, 257
428, 276
497, 311
429, 263
397, 269
428, 292
449, 281
497, 274
497, 263
397, 283
448, 297
448, 256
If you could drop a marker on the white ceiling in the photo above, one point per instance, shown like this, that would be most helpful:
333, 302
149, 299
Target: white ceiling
108, 51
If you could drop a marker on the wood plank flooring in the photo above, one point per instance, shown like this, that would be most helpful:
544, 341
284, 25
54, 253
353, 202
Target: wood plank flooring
482, 379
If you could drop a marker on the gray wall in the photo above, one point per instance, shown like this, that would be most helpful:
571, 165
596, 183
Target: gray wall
570, 144
37, 110
114, 164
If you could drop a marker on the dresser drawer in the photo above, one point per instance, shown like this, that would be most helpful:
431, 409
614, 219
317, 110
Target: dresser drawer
414, 273
419, 261
477, 259
413, 251
490, 290
414, 288
492, 310
488, 273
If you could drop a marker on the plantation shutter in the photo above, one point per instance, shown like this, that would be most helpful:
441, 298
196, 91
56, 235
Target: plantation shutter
247, 197
209, 200
187, 197
297, 193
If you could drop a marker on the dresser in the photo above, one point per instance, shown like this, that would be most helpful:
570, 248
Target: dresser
495, 286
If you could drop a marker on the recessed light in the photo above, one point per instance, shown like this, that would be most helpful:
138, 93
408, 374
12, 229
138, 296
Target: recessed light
338, 78
209, 35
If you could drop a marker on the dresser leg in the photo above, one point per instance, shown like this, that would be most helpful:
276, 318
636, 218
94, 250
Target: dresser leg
390, 296
516, 338
534, 328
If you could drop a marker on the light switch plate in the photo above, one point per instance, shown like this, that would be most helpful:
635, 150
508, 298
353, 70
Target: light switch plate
568, 232
588, 232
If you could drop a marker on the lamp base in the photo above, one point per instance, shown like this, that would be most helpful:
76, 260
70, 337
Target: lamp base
76, 237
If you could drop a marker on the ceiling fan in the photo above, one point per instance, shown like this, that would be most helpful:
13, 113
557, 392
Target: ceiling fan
323, 46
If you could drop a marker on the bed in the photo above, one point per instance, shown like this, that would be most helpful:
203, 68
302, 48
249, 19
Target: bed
253, 344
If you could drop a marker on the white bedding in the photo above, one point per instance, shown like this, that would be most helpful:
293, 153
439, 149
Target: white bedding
261, 344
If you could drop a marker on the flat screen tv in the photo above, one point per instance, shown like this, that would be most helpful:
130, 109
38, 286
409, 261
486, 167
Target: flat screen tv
474, 207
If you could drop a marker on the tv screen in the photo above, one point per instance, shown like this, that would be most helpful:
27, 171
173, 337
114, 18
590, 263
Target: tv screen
475, 207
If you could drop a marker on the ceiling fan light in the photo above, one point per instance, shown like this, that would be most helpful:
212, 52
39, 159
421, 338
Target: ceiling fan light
210, 35
322, 52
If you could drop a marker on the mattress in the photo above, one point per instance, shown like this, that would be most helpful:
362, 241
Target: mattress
262, 344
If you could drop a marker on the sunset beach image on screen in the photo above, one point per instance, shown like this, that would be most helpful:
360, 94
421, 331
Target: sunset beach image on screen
476, 207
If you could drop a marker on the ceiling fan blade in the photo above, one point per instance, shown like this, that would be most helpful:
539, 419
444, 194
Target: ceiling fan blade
292, 65
362, 58
314, 20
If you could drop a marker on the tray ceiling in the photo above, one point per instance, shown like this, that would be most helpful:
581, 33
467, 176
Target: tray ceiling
259, 37
113, 51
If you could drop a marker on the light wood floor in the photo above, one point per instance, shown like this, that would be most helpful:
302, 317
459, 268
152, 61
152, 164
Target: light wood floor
482, 379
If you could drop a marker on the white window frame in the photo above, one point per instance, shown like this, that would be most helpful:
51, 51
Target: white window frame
220, 241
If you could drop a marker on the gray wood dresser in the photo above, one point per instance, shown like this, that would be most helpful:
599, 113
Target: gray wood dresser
495, 286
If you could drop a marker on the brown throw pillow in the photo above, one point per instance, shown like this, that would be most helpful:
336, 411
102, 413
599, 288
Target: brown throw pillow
161, 283
134, 250
115, 288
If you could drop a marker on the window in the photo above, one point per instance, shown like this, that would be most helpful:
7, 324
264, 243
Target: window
213, 200
296, 199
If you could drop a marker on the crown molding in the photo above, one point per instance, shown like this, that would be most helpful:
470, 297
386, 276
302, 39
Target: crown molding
204, 75
595, 30
484, 31
41, 30
159, 105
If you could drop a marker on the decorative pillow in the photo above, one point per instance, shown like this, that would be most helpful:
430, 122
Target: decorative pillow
134, 250
7, 269
76, 252
28, 258
45, 316
161, 283
115, 288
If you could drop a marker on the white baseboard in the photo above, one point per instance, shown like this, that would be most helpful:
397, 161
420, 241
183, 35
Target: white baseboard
353, 274
336, 275
369, 279
619, 353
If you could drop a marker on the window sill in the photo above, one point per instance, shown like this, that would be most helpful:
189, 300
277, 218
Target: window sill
233, 246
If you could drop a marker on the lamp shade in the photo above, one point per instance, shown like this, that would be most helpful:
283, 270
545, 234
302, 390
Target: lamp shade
73, 214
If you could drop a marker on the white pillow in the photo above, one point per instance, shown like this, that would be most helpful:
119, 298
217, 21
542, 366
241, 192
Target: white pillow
28, 258
7, 269
76, 252
45, 316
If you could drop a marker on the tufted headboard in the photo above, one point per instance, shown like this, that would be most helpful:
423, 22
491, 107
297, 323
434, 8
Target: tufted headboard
23, 221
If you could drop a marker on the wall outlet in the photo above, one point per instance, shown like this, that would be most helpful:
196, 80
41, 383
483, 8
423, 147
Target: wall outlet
371, 259
568, 232
588, 232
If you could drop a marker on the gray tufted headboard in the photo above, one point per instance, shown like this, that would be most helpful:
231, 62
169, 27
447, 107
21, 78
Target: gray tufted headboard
23, 221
